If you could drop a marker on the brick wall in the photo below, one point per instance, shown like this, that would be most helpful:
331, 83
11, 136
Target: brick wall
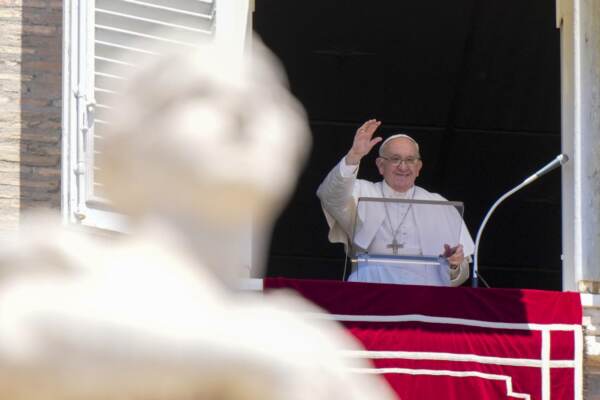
30, 107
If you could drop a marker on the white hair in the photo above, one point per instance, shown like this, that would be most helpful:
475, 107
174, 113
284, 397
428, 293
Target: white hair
396, 136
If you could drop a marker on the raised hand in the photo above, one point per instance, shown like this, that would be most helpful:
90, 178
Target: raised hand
363, 141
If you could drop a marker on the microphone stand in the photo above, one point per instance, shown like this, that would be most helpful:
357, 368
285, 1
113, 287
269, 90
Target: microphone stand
558, 161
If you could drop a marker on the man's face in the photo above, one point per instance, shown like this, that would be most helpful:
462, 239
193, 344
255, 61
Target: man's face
401, 176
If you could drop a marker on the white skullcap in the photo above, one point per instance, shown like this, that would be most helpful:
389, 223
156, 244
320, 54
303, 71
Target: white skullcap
396, 136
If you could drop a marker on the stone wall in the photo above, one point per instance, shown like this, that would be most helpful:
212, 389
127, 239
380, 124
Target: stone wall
591, 326
30, 104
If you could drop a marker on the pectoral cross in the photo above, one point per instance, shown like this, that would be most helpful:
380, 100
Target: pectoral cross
395, 246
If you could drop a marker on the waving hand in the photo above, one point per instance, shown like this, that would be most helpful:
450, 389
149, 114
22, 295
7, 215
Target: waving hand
363, 141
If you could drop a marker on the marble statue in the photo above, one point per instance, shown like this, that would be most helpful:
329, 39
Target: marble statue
198, 148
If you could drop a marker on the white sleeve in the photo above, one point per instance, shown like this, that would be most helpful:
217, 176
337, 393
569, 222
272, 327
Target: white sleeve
337, 201
460, 274
348, 171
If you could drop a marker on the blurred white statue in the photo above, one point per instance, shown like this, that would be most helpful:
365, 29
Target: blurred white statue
210, 144
199, 146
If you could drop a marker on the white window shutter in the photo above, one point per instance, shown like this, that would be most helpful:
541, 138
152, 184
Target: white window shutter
104, 36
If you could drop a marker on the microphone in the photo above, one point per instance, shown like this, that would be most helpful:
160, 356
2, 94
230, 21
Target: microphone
558, 161
561, 159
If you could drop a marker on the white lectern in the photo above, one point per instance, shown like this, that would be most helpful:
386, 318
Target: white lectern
402, 240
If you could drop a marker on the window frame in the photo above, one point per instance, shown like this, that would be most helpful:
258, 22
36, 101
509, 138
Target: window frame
78, 206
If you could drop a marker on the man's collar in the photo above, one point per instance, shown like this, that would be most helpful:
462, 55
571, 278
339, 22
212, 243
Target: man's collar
391, 193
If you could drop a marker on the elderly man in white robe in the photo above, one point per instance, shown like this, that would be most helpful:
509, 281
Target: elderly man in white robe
410, 229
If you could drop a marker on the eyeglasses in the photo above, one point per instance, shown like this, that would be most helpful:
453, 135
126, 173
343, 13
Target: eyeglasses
395, 161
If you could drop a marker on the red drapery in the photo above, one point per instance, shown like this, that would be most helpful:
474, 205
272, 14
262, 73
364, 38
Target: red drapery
459, 343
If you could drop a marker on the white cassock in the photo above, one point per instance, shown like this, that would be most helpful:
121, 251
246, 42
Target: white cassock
420, 229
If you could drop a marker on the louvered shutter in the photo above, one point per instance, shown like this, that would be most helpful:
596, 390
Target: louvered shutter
119, 32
